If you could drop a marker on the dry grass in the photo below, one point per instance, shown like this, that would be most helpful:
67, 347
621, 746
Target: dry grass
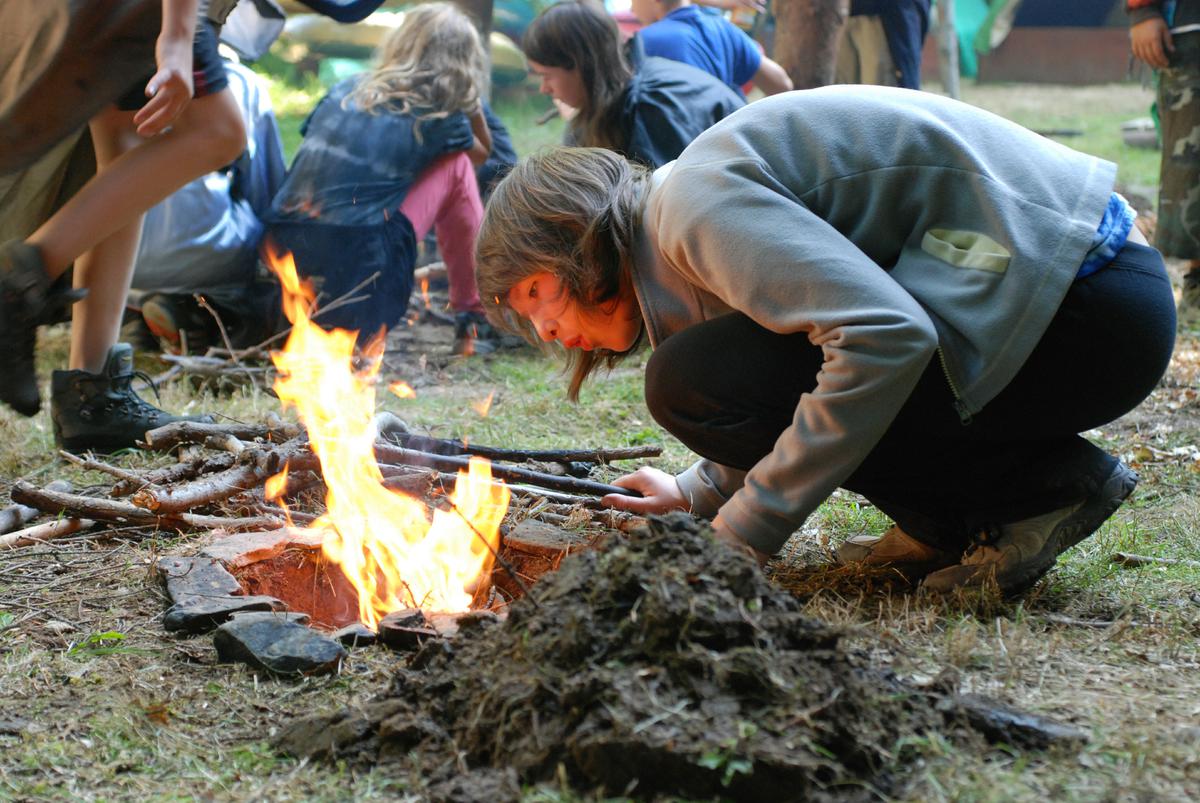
97, 702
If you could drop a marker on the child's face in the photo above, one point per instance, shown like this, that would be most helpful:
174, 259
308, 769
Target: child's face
543, 301
561, 84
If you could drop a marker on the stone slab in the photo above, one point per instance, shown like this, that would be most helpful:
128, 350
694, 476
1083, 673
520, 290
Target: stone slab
277, 646
540, 538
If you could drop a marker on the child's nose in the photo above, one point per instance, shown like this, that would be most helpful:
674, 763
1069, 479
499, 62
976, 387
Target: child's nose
547, 329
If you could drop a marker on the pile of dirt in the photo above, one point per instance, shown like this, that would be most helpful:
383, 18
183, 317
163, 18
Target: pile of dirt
664, 664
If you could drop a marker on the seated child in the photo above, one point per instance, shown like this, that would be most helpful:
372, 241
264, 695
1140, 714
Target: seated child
648, 110
386, 156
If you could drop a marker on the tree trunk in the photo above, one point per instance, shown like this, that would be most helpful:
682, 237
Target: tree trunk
480, 11
806, 39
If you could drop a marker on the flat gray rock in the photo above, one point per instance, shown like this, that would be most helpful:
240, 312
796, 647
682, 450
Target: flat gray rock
201, 614
275, 645
196, 577
355, 635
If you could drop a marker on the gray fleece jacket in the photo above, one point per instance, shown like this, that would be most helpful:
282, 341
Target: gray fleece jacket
891, 227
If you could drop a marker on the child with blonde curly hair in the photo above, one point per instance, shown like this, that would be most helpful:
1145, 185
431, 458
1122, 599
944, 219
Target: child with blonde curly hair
387, 156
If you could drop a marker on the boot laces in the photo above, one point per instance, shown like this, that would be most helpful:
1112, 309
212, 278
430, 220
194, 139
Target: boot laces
984, 546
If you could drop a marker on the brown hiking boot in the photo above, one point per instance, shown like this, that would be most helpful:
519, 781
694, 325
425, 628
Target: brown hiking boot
101, 412
1025, 550
897, 550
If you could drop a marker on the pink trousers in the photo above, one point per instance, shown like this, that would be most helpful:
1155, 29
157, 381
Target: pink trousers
445, 197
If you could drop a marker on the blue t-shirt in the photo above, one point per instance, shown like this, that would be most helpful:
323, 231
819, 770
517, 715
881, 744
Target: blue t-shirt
709, 42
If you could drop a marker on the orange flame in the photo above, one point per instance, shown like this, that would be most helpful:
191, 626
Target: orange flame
484, 405
274, 487
425, 292
393, 552
403, 390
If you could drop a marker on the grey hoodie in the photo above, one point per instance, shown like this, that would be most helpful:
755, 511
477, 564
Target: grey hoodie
888, 225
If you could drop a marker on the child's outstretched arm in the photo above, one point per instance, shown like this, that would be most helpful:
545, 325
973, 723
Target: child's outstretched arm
170, 90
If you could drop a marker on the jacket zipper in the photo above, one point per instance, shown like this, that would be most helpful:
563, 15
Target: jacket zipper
964, 415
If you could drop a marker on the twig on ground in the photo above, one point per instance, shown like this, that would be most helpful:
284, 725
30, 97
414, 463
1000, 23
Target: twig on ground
1127, 559
40, 533
179, 432
76, 505
92, 464
16, 516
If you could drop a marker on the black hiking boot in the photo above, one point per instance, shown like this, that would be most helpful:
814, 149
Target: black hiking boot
27, 299
100, 412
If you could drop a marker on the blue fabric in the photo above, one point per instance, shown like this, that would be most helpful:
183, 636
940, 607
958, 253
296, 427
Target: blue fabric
205, 235
709, 42
344, 10
1111, 235
667, 105
338, 210
502, 157
905, 23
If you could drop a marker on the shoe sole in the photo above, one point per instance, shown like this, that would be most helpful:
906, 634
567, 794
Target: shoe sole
1096, 510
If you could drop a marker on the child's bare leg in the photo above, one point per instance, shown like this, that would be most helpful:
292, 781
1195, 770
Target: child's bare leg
107, 268
208, 135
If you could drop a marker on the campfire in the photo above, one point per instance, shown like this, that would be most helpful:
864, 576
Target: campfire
350, 521
394, 553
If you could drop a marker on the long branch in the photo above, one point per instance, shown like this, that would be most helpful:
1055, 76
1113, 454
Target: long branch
90, 507
387, 453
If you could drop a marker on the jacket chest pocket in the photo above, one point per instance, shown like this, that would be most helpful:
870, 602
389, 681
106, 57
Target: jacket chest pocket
966, 249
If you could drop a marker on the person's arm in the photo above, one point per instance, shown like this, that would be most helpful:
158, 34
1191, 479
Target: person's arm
771, 78
481, 144
731, 232
1149, 38
170, 89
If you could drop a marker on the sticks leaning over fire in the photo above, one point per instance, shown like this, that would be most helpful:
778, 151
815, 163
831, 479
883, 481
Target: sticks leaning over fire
247, 455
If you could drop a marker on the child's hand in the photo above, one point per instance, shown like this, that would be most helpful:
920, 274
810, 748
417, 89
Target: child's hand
170, 90
659, 490
1151, 42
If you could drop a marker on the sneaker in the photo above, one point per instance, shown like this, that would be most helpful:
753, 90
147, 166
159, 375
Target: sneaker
1025, 550
179, 323
101, 412
474, 335
897, 550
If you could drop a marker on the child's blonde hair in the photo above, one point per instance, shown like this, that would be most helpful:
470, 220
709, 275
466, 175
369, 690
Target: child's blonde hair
572, 212
431, 66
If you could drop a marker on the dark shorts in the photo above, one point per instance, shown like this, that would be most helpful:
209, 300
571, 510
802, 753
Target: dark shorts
1177, 233
208, 71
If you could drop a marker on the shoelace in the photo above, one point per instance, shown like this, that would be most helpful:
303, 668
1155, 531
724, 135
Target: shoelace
983, 545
